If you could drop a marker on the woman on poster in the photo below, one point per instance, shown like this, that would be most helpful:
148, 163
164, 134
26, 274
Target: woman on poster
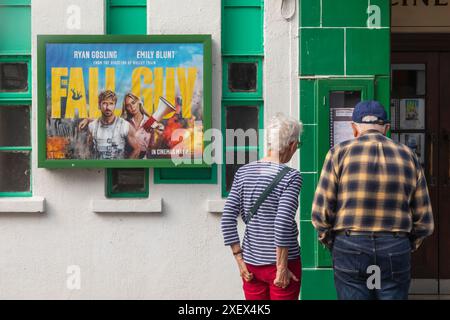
133, 111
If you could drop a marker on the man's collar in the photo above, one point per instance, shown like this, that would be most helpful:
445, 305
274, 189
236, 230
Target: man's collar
108, 124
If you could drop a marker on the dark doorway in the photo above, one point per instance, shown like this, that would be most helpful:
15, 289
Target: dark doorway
420, 107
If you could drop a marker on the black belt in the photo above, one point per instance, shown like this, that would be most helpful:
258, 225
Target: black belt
373, 234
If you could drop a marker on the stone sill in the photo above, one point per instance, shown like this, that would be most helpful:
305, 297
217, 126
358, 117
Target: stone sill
127, 206
22, 205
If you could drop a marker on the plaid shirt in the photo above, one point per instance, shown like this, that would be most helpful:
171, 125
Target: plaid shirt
372, 183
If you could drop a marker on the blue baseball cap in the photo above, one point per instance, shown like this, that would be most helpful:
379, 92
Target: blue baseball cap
370, 108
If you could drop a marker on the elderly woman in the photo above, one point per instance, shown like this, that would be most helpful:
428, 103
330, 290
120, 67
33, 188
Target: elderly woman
265, 193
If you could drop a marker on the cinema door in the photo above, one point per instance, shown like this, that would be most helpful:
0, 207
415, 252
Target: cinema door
420, 113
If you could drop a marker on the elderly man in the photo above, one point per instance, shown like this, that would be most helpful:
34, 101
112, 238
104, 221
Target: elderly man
372, 208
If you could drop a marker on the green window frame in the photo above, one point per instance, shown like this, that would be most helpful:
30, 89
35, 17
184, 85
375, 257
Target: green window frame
186, 175
111, 193
24, 95
15, 26
227, 93
242, 47
15, 47
117, 11
242, 27
113, 25
259, 149
19, 149
366, 87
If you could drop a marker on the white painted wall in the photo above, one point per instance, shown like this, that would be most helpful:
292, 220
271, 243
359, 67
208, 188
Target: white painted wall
175, 254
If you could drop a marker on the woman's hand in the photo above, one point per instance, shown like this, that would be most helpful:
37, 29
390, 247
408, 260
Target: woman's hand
245, 274
284, 277
160, 127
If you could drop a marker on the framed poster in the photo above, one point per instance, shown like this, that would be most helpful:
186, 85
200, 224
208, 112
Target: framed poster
416, 142
123, 101
412, 114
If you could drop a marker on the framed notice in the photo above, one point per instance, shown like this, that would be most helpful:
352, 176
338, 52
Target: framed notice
123, 101
412, 114
340, 125
416, 142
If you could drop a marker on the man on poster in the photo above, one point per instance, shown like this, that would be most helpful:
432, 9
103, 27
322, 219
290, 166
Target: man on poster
109, 134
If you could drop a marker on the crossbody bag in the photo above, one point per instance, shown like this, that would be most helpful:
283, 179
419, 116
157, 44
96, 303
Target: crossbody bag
267, 192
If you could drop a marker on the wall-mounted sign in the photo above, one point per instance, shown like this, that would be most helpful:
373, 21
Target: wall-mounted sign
340, 126
123, 101
412, 114
420, 16
342, 104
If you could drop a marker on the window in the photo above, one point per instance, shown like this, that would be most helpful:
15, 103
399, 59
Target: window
243, 77
408, 107
127, 183
15, 99
15, 138
242, 92
13, 77
242, 121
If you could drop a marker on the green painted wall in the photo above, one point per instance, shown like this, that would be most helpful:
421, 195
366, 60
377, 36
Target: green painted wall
342, 44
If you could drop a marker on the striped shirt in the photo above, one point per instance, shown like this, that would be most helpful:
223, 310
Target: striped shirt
273, 225
373, 184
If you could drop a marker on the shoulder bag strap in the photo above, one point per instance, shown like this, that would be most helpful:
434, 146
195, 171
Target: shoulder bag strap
267, 191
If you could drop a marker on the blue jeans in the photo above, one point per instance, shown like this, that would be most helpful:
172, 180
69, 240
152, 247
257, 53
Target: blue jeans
354, 254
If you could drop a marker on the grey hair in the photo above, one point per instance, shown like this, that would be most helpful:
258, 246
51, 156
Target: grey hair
370, 126
282, 131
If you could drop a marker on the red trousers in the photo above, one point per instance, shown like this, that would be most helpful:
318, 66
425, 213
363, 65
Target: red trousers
261, 287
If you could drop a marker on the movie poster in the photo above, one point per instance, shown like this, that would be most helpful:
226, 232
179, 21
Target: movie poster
116, 101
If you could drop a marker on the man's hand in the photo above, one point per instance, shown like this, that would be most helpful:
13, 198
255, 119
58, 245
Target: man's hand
327, 239
83, 123
415, 243
245, 274
284, 277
